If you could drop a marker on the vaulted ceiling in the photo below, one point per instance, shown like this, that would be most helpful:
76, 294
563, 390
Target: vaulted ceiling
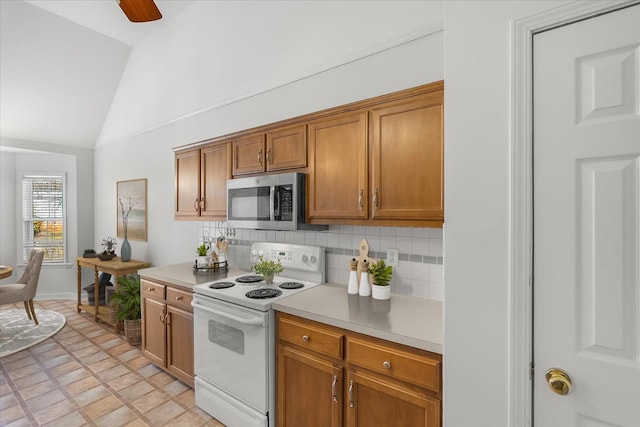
61, 62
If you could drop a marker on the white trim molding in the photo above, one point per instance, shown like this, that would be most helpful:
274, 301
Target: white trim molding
521, 190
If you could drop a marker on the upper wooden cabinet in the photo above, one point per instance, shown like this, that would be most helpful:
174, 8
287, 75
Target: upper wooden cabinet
278, 149
378, 161
406, 151
201, 182
337, 181
379, 166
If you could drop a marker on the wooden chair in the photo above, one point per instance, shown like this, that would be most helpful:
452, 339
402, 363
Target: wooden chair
25, 289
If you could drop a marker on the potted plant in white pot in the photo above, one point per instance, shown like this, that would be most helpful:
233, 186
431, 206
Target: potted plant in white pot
381, 280
203, 260
127, 302
267, 268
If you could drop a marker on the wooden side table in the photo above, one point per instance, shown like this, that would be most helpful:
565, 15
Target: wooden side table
5, 271
117, 268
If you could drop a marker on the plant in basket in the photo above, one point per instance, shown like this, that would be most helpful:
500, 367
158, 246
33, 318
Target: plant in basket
128, 309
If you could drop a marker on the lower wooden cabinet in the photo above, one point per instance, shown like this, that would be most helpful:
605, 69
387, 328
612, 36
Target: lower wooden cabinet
309, 390
328, 376
376, 400
167, 328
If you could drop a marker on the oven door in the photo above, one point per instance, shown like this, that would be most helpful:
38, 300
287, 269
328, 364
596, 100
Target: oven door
233, 350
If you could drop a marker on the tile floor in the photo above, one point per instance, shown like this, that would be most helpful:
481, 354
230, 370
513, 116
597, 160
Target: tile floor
86, 375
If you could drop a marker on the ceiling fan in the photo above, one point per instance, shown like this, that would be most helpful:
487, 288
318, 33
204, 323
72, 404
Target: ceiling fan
140, 10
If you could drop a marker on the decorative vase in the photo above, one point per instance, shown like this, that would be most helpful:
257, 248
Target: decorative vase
268, 278
125, 251
380, 292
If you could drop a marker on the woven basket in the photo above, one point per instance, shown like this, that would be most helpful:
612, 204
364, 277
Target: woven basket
133, 331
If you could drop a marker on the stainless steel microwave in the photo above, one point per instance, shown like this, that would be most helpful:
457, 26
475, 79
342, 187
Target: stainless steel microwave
270, 202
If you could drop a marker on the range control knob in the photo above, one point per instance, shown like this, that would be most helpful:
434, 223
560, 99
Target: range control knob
313, 259
305, 258
254, 252
260, 252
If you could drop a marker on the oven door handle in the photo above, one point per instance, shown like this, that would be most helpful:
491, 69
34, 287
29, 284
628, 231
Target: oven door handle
253, 322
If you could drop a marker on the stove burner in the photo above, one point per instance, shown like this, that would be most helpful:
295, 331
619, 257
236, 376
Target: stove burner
291, 285
249, 279
263, 293
221, 285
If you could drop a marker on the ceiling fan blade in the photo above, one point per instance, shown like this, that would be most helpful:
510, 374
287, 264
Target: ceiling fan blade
140, 10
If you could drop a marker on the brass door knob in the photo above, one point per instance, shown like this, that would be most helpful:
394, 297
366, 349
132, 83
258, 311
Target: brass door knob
559, 381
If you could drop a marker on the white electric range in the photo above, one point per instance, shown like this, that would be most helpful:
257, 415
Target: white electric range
234, 334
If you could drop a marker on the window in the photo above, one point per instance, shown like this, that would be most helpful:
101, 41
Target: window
43, 213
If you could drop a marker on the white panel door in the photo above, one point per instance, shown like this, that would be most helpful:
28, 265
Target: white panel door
587, 222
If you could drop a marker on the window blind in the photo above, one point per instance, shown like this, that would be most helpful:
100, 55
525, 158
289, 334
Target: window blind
43, 212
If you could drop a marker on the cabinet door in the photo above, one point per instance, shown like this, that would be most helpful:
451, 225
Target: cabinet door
374, 401
180, 343
187, 184
407, 159
248, 155
153, 342
338, 167
216, 170
287, 148
309, 391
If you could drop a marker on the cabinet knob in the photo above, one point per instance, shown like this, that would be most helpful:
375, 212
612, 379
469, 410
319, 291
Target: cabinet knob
179, 298
150, 289
375, 199
195, 205
305, 338
260, 156
360, 195
269, 156
386, 364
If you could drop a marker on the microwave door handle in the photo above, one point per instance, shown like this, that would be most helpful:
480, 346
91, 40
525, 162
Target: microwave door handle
272, 207
253, 322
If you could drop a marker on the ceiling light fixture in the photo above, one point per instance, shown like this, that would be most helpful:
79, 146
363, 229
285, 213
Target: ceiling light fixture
140, 10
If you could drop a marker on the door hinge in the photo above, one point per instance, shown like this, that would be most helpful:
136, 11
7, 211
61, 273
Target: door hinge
532, 369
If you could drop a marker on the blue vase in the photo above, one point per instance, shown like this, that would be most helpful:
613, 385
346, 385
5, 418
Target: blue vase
125, 251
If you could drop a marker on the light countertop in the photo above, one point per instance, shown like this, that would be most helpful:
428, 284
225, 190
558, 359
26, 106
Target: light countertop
404, 319
183, 275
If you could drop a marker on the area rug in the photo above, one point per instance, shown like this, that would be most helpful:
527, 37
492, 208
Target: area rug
17, 332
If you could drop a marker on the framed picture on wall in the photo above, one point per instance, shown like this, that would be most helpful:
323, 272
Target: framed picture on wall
132, 209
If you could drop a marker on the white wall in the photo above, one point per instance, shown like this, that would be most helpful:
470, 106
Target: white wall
148, 153
478, 96
7, 210
27, 157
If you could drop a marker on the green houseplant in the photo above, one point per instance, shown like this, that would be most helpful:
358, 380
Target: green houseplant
381, 278
267, 268
128, 306
203, 259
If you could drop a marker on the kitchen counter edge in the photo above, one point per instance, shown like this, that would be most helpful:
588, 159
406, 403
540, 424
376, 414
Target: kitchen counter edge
404, 319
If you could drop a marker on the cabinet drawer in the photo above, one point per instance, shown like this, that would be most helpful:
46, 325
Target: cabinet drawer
178, 298
322, 340
396, 363
152, 290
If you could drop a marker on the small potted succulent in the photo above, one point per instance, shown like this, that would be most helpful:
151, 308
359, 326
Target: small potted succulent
381, 278
267, 268
203, 260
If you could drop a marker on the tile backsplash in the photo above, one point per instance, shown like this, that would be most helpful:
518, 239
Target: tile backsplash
420, 250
